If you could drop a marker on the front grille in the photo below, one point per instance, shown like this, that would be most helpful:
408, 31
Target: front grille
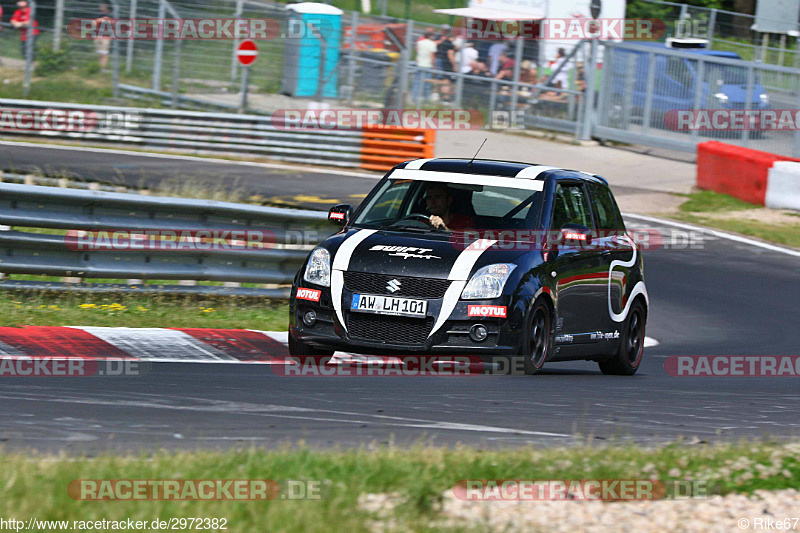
389, 329
363, 282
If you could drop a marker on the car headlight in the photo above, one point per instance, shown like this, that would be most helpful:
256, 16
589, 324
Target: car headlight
722, 97
764, 98
318, 269
488, 282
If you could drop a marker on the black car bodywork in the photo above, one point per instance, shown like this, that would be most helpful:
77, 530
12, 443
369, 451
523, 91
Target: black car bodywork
582, 298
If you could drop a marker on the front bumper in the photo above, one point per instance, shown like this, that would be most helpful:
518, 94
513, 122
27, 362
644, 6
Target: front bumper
382, 335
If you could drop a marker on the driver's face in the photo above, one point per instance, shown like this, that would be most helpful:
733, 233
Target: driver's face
438, 201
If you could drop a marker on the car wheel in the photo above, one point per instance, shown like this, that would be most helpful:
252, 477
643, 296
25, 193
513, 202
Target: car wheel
536, 346
297, 347
628, 357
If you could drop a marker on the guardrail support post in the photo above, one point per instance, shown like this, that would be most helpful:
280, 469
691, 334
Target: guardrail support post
115, 53
351, 72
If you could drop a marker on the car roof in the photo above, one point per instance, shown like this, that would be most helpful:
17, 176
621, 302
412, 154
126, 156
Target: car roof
490, 167
700, 51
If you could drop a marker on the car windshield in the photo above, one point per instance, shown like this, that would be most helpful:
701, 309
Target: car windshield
424, 206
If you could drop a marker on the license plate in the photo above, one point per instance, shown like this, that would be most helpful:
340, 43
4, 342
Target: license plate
387, 305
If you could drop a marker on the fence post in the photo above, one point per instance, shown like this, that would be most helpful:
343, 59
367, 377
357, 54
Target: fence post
515, 84
234, 60
176, 72
712, 22
29, 43
796, 136
748, 103
115, 53
405, 59
159, 49
588, 96
351, 72
698, 94
648, 96
58, 23
129, 46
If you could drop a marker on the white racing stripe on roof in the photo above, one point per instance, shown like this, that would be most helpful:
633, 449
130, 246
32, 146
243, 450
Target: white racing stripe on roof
417, 164
532, 172
468, 179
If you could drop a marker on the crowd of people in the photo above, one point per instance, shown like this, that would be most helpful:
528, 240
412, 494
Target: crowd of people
440, 56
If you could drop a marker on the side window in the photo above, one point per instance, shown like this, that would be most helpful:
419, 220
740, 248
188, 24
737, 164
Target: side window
604, 208
570, 206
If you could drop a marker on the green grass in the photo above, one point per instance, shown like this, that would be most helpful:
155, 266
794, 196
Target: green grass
32, 486
787, 234
703, 203
40, 308
713, 202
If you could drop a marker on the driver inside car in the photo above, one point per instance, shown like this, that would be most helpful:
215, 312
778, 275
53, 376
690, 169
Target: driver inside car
439, 198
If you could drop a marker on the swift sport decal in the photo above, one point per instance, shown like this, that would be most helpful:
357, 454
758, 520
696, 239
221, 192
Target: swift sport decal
459, 275
340, 263
405, 251
638, 289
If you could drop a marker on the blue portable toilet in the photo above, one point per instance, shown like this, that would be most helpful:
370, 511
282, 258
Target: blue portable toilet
308, 22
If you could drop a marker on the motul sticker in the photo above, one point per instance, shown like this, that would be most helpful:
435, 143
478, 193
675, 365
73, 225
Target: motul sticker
336, 216
309, 294
487, 310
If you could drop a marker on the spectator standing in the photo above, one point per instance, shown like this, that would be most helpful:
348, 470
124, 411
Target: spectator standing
446, 57
102, 45
466, 56
560, 79
426, 50
21, 19
506, 69
495, 51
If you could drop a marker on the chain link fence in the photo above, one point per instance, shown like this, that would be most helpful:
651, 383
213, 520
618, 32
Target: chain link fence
378, 67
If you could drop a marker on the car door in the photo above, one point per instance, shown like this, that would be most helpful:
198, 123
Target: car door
581, 308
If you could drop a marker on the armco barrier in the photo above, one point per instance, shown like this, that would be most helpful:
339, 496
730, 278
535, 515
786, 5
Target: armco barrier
289, 235
737, 171
783, 186
374, 148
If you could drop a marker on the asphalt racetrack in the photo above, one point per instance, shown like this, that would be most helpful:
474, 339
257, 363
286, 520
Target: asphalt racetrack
725, 298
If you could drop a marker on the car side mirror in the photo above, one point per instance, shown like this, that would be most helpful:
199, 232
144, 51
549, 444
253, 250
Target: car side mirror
340, 214
576, 234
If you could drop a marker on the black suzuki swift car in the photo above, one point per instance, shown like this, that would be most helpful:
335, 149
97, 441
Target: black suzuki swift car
489, 258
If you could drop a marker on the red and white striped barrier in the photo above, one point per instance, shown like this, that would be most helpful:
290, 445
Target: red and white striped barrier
783, 186
751, 175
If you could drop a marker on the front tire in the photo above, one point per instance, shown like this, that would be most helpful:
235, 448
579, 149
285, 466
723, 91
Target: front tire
537, 342
628, 357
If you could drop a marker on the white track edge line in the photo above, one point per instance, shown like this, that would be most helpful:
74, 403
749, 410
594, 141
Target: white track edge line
717, 233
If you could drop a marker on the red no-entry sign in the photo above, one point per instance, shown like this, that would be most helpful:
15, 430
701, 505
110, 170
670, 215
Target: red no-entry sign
247, 52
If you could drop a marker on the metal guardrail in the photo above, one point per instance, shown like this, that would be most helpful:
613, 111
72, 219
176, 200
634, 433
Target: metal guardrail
203, 132
208, 132
24, 251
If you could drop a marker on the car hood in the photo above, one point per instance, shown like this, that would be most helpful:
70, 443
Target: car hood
432, 255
